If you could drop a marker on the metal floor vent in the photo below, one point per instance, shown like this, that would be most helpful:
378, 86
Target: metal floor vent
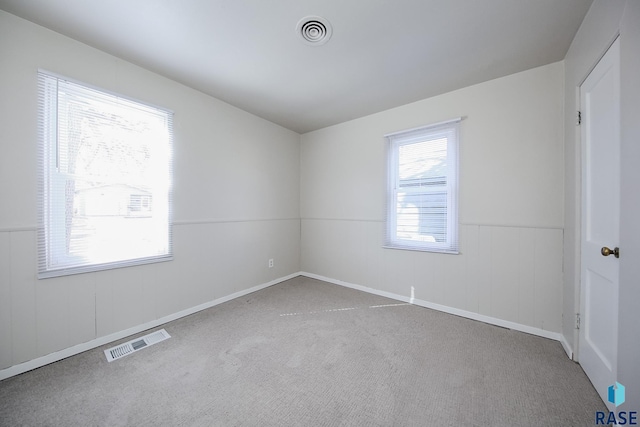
134, 345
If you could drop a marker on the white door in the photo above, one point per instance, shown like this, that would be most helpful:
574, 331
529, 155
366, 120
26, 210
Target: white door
600, 132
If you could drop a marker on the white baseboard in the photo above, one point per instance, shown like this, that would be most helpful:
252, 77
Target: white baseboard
451, 310
79, 348
567, 347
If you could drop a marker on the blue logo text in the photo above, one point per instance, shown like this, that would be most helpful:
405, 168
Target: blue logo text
621, 419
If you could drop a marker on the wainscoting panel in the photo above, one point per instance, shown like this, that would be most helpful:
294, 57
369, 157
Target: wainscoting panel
503, 272
212, 261
23, 295
5, 300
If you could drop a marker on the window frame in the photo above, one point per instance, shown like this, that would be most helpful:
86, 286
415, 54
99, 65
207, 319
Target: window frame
451, 130
52, 262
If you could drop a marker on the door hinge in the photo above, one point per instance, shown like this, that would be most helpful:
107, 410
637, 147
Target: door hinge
577, 320
579, 118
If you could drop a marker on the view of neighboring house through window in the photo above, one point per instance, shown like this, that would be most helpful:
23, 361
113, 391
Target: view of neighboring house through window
423, 189
105, 182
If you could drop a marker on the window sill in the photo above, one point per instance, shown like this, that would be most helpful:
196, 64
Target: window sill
422, 249
100, 267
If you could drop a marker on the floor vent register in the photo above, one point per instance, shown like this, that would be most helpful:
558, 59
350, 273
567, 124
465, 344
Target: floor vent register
134, 345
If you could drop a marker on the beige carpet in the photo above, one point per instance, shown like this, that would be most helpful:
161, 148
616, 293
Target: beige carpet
309, 353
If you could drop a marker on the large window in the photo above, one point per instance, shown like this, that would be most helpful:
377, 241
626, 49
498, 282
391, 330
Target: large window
422, 194
105, 180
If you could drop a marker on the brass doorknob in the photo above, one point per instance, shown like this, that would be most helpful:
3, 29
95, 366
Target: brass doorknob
605, 251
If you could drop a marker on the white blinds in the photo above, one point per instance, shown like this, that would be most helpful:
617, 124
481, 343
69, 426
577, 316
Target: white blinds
422, 188
105, 180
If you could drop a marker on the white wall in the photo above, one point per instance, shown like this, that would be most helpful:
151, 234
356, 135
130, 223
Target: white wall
236, 203
511, 202
604, 21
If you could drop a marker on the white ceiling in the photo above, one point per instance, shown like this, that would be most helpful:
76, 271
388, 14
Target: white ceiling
383, 53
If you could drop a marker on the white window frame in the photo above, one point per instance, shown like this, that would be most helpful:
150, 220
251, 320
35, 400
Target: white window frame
52, 260
450, 130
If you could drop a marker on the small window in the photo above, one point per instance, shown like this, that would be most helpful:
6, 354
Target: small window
422, 194
105, 180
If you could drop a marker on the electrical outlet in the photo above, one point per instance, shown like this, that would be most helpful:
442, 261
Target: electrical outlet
271, 263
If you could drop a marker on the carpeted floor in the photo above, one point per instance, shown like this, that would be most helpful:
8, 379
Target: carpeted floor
310, 353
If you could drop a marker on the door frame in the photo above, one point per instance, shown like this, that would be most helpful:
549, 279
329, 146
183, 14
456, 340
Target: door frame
579, 206
578, 143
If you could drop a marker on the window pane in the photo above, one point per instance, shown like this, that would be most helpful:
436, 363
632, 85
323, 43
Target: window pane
107, 184
422, 217
423, 163
422, 193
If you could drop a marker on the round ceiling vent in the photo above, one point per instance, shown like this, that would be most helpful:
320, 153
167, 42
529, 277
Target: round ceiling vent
314, 30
